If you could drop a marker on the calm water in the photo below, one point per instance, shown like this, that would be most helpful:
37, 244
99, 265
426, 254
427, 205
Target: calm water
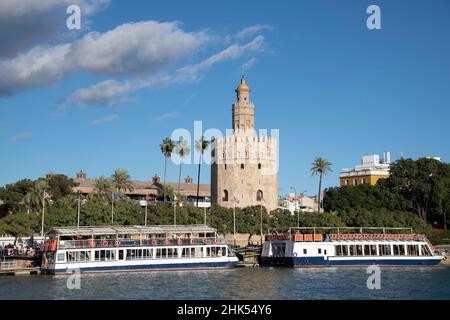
241, 283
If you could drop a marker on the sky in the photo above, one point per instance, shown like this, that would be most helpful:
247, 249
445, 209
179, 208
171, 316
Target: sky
103, 97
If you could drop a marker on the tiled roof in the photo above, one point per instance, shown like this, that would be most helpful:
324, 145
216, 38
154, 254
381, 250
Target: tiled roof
148, 188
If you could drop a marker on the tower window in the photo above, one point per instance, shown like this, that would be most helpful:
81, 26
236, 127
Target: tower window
259, 166
225, 167
242, 166
259, 195
225, 195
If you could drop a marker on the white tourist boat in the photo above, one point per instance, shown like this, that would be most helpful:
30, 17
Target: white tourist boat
134, 248
311, 247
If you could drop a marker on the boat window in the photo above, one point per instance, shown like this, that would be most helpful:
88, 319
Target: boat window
359, 250
370, 250
120, 254
385, 250
77, 256
278, 249
338, 250
60, 256
413, 250
104, 255
319, 251
345, 250
353, 250
305, 251
425, 250
399, 249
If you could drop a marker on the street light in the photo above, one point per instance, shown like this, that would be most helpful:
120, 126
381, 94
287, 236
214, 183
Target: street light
295, 203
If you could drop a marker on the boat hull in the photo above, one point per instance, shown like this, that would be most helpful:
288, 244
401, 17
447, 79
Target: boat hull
301, 262
143, 267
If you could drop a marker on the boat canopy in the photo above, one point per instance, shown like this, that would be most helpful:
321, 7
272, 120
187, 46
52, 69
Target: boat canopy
129, 230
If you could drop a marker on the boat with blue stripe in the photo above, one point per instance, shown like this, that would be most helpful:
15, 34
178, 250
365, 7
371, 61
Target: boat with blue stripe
134, 248
348, 246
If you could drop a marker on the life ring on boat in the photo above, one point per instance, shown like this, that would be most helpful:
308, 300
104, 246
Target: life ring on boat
180, 242
192, 241
295, 254
91, 243
10, 252
117, 243
105, 243
205, 241
20, 251
216, 241
154, 242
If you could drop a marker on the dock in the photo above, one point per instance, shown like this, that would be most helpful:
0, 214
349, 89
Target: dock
18, 268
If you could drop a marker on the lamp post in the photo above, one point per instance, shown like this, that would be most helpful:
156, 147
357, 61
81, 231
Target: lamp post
146, 210
79, 209
295, 203
43, 213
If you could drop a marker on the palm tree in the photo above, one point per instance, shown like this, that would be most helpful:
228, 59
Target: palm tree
165, 191
320, 166
35, 197
182, 149
200, 145
121, 180
166, 148
103, 187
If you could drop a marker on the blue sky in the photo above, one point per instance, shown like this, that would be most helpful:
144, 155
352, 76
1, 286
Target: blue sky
331, 86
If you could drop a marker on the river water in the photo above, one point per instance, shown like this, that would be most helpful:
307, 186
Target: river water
239, 283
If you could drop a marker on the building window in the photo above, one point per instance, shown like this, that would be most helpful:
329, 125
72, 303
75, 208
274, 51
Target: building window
346, 182
225, 166
259, 195
225, 196
242, 166
259, 166
355, 182
363, 180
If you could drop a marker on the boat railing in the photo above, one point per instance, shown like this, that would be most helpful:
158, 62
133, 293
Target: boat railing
346, 230
108, 243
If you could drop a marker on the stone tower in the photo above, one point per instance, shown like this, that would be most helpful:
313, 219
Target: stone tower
244, 164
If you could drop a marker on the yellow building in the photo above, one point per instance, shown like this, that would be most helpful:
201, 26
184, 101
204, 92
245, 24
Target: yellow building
369, 172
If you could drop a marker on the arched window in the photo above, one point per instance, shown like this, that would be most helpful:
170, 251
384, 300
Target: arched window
225, 195
259, 195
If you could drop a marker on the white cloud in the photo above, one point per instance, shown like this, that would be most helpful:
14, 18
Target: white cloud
132, 48
100, 94
111, 91
166, 116
251, 31
109, 118
26, 23
24, 136
247, 65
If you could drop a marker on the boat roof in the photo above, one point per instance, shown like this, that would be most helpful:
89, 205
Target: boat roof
107, 230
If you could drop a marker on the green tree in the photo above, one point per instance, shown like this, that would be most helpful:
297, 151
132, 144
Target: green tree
166, 148
103, 188
12, 196
182, 149
122, 181
35, 199
320, 166
201, 145
424, 182
60, 186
